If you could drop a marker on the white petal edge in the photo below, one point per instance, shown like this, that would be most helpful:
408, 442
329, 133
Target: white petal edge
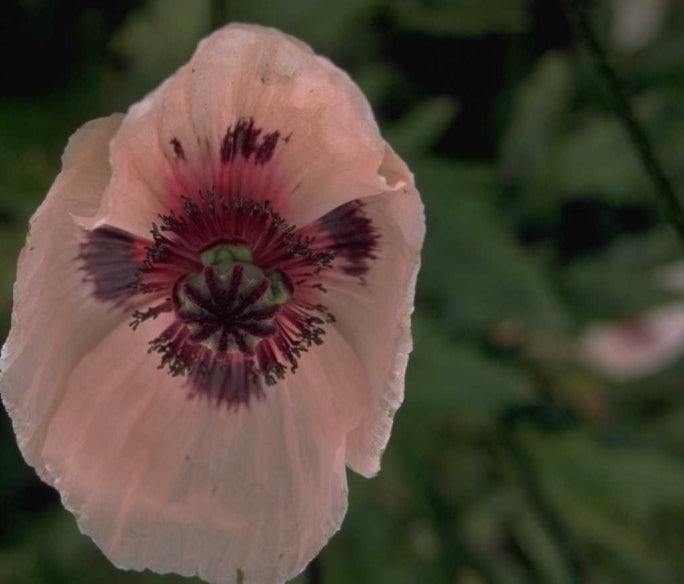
54, 318
178, 485
375, 318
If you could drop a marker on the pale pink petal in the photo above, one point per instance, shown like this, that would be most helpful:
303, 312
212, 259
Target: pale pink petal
180, 485
55, 320
635, 348
328, 150
375, 317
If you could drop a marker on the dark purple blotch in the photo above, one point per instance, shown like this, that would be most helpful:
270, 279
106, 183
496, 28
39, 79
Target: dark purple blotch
246, 139
266, 149
354, 237
109, 257
178, 149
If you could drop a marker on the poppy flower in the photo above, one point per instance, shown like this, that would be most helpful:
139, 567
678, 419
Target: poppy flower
642, 344
637, 347
211, 314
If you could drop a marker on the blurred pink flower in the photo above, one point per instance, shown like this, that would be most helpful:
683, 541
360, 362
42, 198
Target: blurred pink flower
635, 23
212, 313
636, 347
643, 344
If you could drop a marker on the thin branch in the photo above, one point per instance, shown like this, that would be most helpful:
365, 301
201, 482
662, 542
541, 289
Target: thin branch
456, 553
546, 513
579, 17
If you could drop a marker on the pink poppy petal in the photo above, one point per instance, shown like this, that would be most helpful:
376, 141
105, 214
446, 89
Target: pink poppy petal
636, 348
55, 320
375, 317
308, 138
181, 485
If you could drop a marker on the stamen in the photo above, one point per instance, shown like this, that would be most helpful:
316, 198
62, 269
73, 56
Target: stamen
234, 277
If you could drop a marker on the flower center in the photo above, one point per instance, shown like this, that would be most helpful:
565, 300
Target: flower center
241, 286
231, 305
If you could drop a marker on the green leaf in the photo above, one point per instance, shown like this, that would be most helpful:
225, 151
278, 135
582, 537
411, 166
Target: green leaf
420, 129
461, 17
622, 499
328, 25
660, 63
530, 145
619, 282
453, 381
376, 80
598, 158
599, 161
540, 550
475, 274
154, 42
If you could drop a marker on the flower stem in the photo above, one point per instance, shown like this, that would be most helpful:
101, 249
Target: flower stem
456, 554
579, 17
531, 485
550, 521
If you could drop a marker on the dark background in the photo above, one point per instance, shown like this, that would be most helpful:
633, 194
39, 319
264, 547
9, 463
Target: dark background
513, 459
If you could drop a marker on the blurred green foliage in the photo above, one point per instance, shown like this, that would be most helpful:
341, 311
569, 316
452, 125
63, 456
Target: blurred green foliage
511, 462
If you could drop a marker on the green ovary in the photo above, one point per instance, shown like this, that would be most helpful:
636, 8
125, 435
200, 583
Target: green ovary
230, 306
